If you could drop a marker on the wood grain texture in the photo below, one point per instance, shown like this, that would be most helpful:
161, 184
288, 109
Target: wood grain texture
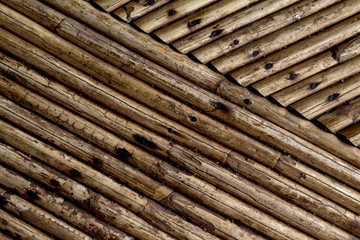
352, 134
110, 5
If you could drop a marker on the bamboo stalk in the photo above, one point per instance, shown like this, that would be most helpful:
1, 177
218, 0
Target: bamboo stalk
328, 98
20, 229
298, 52
110, 5
317, 82
40, 218
230, 24
342, 117
352, 134
203, 17
136, 9
259, 28
59, 206
284, 37
169, 13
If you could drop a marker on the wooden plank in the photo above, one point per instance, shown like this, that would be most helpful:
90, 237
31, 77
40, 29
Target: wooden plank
284, 37
328, 98
230, 24
317, 82
110, 5
352, 134
342, 116
258, 29
298, 52
202, 18
136, 9
169, 13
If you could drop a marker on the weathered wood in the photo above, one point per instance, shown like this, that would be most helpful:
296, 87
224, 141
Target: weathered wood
136, 9
39, 218
20, 229
328, 98
202, 18
342, 117
230, 24
163, 15
352, 134
110, 5
5, 237
259, 28
299, 51
284, 37
317, 82
60, 207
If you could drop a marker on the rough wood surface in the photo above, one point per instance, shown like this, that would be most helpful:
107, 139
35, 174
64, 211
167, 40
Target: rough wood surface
352, 134
5, 237
342, 116
230, 24
200, 19
110, 5
257, 29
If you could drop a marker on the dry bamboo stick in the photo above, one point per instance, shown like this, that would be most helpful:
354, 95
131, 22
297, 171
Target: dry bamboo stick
136, 9
230, 24
142, 206
202, 18
20, 229
328, 98
352, 134
101, 206
60, 207
39, 218
298, 52
342, 117
5, 237
122, 172
317, 82
110, 5
284, 37
168, 13
259, 29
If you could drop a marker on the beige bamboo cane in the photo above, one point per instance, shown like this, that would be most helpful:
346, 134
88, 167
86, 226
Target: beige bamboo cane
169, 13
202, 76
242, 188
342, 117
5, 237
107, 209
142, 206
110, 5
113, 167
20, 229
40, 218
352, 134
136, 9
202, 18
230, 24
317, 82
328, 98
59, 206
259, 29
284, 37
298, 52
248, 169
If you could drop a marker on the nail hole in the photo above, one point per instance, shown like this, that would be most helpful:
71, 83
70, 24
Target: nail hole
247, 101
255, 53
313, 85
292, 76
234, 43
97, 161
193, 118
123, 154
169, 130
219, 105
32, 195
54, 182
75, 173
171, 12
142, 140
149, 3
332, 97
268, 66
193, 23
216, 33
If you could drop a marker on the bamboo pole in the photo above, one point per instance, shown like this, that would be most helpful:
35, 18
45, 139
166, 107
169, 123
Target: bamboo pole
298, 52
317, 82
40, 218
136, 9
258, 29
328, 98
110, 5
230, 24
342, 117
204, 17
60, 207
169, 13
284, 37
20, 229
352, 134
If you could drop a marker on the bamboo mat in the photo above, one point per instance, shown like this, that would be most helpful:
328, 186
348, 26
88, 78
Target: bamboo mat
107, 133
